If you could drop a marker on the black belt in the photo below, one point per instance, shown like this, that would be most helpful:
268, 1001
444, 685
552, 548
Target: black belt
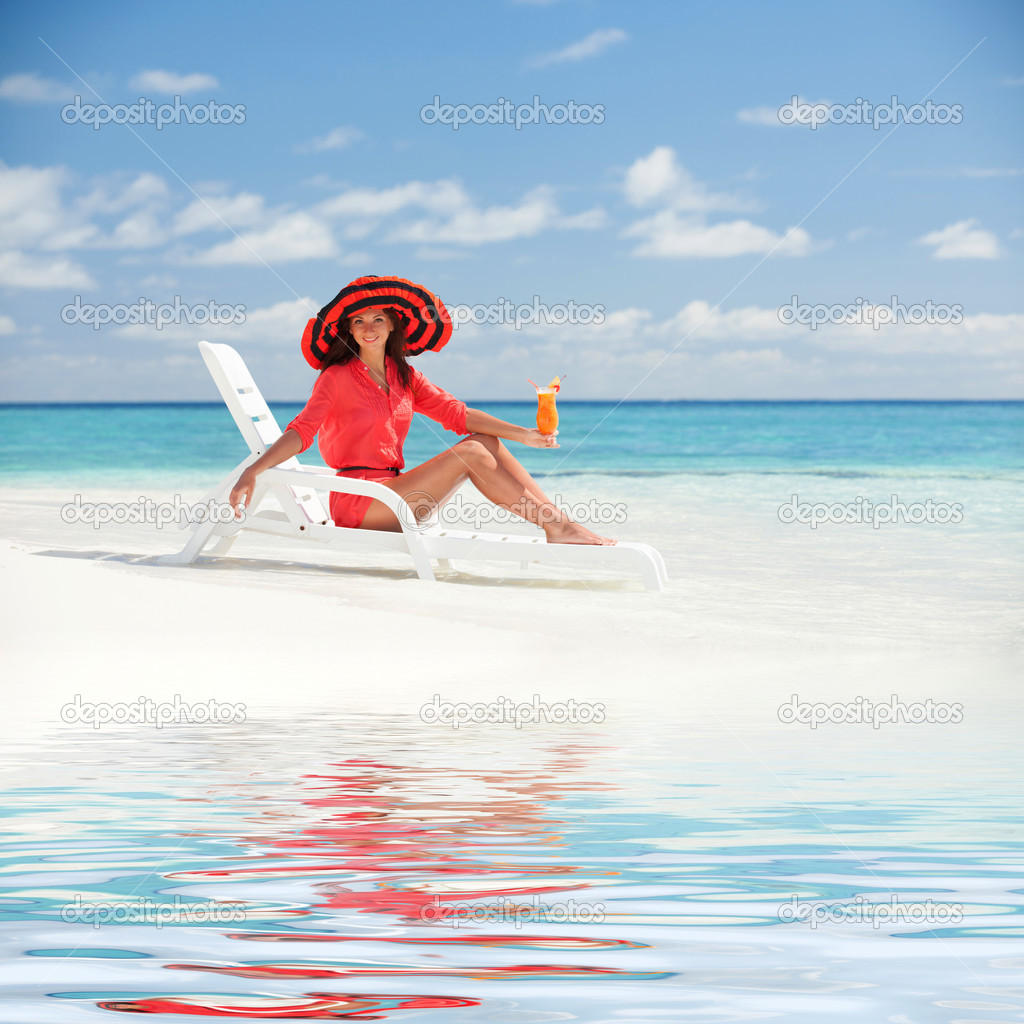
375, 469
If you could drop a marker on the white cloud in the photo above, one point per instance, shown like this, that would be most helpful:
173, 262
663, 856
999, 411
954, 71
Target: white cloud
220, 213
30, 88
23, 270
1012, 81
749, 359
660, 179
292, 236
680, 230
754, 333
699, 319
282, 320
161, 281
171, 83
31, 210
431, 252
670, 235
270, 325
442, 197
337, 138
113, 196
473, 226
7, 325
589, 220
141, 230
33, 213
769, 116
760, 115
453, 217
962, 240
593, 45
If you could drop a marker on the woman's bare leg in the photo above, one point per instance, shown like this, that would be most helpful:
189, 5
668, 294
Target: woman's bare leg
499, 477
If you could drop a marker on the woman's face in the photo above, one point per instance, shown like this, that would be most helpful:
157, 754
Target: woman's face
371, 328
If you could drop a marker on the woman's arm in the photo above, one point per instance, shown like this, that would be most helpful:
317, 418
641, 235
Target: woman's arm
480, 422
287, 445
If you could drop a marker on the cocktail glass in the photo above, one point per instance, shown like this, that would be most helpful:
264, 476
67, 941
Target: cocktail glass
547, 413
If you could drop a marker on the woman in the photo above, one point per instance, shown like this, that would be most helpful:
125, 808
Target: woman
362, 405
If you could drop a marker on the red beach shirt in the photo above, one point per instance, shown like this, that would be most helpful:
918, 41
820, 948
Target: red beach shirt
359, 425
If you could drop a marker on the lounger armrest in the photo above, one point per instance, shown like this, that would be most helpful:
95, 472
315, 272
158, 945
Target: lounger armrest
325, 480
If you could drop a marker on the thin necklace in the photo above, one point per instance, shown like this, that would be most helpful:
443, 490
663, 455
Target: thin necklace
382, 383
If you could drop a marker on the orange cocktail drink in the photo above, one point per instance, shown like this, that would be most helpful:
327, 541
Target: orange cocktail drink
547, 413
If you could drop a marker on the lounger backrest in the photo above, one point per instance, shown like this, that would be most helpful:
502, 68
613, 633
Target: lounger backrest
241, 396
253, 417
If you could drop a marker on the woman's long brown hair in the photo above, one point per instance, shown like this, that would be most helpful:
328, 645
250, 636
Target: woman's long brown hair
343, 348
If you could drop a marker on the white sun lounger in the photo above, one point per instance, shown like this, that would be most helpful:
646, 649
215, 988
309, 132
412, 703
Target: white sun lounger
303, 516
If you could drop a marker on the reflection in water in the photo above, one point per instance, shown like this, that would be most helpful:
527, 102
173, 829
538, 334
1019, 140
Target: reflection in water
382, 824
314, 1006
415, 865
506, 941
414, 838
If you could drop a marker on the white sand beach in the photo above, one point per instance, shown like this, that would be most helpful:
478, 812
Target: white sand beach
754, 611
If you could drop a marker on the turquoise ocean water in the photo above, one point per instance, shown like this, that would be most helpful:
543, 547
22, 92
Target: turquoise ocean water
126, 444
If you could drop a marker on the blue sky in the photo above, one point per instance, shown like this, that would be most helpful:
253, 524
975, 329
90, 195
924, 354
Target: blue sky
683, 220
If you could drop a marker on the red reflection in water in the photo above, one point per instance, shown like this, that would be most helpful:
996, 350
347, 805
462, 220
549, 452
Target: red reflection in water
514, 941
344, 971
394, 840
383, 820
310, 1006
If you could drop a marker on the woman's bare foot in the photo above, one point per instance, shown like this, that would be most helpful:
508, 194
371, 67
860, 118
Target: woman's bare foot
567, 532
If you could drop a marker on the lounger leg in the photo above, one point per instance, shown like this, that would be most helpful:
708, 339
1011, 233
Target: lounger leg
223, 546
650, 571
419, 556
202, 532
190, 552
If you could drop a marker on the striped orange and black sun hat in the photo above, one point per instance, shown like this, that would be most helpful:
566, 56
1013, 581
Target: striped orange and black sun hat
421, 315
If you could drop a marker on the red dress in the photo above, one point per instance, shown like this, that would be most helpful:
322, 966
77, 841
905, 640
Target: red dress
359, 425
